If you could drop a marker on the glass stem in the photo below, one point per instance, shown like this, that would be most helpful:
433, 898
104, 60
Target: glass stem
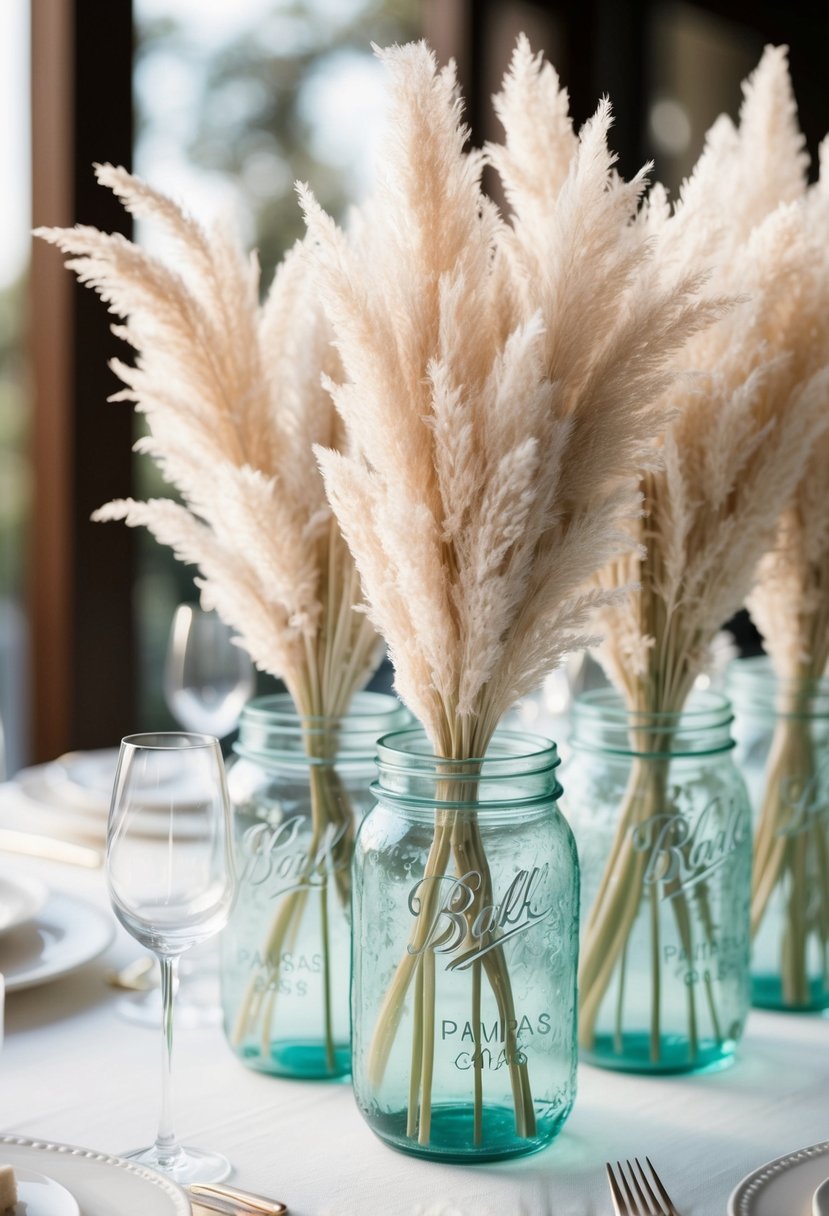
167, 1147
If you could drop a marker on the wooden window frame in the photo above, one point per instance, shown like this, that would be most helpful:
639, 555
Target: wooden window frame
80, 574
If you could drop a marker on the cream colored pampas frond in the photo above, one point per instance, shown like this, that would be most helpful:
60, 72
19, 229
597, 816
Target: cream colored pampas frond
747, 409
232, 394
501, 383
790, 602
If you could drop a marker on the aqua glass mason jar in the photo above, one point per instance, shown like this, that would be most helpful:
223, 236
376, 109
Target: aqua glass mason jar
299, 787
663, 826
465, 951
782, 732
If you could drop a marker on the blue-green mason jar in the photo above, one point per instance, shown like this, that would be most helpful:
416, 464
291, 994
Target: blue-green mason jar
782, 732
663, 825
298, 787
465, 951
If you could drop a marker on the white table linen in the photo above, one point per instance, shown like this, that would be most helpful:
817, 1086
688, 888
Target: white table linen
72, 1070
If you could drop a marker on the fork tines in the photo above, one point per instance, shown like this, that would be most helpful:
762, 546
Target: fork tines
633, 1194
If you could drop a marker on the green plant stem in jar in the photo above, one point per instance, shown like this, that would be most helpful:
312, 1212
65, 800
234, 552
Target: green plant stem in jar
662, 820
783, 736
299, 786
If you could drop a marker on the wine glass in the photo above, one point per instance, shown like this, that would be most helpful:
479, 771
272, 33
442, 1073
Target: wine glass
172, 896
207, 679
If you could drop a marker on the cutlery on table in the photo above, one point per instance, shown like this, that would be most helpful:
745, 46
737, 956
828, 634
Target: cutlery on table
634, 1195
231, 1202
137, 976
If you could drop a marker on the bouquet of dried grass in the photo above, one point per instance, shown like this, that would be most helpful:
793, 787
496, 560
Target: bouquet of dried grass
738, 428
790, 603
234, 405
501, 383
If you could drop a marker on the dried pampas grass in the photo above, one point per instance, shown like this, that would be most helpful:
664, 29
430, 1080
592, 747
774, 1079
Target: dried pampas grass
790, 601
232, 394
502, 381
790, 604
745, 413
741, 420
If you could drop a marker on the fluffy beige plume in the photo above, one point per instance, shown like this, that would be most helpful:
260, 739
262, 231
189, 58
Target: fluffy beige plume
741, 418
234, 405
790, 602
501, 382
748, 408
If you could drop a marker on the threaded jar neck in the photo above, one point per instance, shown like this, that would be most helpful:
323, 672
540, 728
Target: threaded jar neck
757, 691
602, 722
517, 769
270, 728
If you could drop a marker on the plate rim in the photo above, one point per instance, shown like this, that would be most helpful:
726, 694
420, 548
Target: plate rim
25, 1176
171, 1188
35, 887
753, 1182
90, 815
57, 970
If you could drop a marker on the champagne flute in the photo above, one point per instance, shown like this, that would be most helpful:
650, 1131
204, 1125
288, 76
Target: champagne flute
207, 679
174, 895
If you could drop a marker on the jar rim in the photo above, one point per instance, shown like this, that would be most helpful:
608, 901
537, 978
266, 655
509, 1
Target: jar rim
704, 708
271, 729
518, 771
541, 753
602, 721
754, 677
280, 707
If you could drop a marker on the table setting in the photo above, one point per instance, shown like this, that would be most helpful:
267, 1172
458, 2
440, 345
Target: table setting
456, 966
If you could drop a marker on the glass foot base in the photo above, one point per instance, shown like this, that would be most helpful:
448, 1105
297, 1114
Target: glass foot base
184, 1165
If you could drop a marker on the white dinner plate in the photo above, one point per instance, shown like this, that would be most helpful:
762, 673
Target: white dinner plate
64, 935
21, 898
93, 771
54, 815
820, 1200
100, 1185
63, 805
88, 777
38, 1195
783, 1187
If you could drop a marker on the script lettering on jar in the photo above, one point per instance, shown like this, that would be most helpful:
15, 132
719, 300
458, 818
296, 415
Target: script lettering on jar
276, 855
455, 913
682, 852
806, 801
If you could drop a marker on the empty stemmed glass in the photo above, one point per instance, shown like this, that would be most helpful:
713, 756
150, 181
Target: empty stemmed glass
207, 679
207, 682
173, 896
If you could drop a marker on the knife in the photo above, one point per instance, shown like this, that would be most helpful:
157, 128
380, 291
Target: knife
32, 844
230, 1202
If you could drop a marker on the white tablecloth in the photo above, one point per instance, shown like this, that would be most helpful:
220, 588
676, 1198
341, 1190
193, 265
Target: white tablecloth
73, 1070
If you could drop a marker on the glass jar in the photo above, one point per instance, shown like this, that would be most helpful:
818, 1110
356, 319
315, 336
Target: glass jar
299, 787
663, 826
465, 951
782, 732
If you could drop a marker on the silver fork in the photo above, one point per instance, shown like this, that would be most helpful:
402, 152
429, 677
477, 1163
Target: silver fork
635, 1196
